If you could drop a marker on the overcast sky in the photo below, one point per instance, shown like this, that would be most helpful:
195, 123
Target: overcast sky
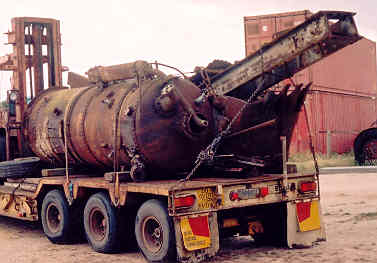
181, 33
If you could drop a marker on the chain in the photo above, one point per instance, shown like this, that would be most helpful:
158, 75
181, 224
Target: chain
209, 152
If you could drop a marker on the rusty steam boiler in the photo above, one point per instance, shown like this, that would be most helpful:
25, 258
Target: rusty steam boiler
136, 118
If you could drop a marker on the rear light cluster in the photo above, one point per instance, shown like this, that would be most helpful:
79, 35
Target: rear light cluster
184, 201
244, 194
306, 187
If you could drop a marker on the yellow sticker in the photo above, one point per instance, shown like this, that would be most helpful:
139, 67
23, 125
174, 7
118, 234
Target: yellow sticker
195, 233
207, 199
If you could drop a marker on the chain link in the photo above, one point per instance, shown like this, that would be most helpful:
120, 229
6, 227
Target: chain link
209, 152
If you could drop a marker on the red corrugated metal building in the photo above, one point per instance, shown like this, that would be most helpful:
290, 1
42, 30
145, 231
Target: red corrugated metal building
344, 90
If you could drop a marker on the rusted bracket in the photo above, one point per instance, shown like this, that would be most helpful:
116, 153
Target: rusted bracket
283, 140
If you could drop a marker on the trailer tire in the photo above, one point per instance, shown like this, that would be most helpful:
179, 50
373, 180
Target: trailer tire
365, 147
154, 231
55, 217
101, 223
3, 155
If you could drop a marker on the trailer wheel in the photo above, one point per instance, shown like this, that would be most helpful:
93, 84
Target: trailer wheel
101, 224
154, 232
3, 156
365, 147
56, 217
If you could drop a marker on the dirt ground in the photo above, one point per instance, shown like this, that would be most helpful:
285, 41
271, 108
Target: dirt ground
349, 203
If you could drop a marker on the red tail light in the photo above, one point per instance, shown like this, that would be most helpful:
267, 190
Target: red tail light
233, 196
185, 201
308, 187
263, 191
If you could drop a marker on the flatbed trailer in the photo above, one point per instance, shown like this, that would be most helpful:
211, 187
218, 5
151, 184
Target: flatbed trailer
180, 219
173, 219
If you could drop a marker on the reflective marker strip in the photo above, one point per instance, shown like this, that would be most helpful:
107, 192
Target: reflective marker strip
195, 232
308, 215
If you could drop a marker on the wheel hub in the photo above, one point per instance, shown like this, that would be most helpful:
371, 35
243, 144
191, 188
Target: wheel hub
98, 224
152, 234
370, 152
53, 218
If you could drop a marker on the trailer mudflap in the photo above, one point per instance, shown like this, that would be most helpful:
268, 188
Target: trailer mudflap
308, 215
195, 232
304, 223
197, 237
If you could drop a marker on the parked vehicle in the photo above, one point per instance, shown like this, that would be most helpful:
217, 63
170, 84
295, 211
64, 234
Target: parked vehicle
138, 155
365, 146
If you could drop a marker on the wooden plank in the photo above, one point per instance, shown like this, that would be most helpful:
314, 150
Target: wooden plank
123, 177
55, 172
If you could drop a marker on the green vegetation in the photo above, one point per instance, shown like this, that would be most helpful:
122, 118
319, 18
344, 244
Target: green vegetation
366, 216
4, 105
305, 163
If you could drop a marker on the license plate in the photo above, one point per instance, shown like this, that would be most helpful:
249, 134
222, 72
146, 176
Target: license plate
207, 199
245, 194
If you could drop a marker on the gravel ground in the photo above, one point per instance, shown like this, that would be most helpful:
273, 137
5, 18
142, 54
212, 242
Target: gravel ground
349, 203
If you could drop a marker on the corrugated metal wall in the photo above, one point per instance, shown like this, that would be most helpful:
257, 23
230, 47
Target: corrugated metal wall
344, 115
344, 90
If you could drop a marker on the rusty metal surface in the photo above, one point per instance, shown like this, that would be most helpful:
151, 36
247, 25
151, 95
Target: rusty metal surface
30, 38
264, 143
176, 139
357, 62
154, 126
139, 69
132, 117
16, 203
304, 45
77, 81
262, 29
162, 139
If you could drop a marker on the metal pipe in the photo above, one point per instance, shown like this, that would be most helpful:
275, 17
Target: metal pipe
253, 128
187, 107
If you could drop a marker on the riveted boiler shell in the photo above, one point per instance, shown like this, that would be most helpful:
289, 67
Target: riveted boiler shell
170, 143
122, 119
43, 124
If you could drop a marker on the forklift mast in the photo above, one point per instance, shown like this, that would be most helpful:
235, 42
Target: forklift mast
36, 66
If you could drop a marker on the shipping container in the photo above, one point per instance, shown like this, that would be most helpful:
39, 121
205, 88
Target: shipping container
352, 70
261, 29
342, 100
343, 115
